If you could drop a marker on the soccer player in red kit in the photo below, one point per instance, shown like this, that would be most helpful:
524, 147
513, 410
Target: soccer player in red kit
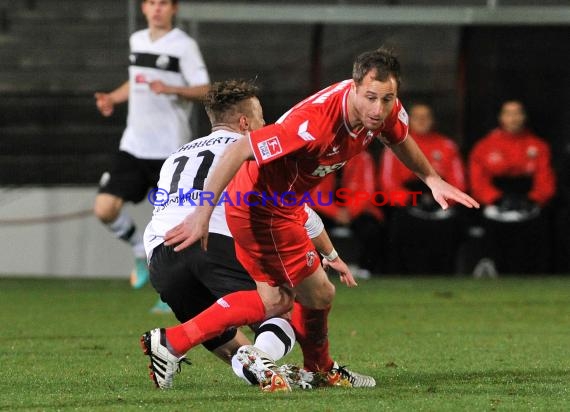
286, 160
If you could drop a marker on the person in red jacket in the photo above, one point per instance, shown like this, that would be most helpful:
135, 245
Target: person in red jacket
419, 254
362, 218
511, 174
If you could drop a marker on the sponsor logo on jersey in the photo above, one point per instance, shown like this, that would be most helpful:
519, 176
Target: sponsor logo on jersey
269, 148
162, 61
324, 170
311, 256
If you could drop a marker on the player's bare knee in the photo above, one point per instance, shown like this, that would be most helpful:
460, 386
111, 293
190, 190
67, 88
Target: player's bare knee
105, 209
325, 297
329, 293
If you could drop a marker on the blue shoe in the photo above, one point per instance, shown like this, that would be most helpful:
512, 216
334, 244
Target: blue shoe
139, 275
160, 308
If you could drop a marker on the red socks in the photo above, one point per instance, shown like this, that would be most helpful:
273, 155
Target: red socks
311, 328
235, 309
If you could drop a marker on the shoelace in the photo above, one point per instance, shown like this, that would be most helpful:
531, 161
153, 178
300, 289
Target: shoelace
345, 373
183, 360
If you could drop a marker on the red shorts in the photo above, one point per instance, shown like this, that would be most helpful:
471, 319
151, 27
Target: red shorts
272, 248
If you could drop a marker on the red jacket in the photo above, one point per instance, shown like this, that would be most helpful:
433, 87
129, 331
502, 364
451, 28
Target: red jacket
503, 154
442, 153
357, 175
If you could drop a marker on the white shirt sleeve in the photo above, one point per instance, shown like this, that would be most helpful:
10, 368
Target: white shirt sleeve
193, 67
314, 225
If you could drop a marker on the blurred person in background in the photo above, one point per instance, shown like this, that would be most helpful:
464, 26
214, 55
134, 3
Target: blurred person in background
512, 176
362, 220
418, 253
166, 74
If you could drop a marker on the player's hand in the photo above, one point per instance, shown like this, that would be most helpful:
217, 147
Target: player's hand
443, 191
344, 272
104, 104
194, 227
343, 216
158, 87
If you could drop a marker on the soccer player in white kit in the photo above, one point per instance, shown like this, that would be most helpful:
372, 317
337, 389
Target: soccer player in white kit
166, 74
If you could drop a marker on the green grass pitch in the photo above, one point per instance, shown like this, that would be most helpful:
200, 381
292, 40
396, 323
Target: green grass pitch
433, 344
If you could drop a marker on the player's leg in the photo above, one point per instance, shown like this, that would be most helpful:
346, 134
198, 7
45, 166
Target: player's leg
275, 338
310, 319
174, 277
169, 346
310, 322
236, 309
125, 183
151, 171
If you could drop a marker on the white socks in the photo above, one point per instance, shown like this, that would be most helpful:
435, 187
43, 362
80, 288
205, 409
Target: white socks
123, 227
275, 337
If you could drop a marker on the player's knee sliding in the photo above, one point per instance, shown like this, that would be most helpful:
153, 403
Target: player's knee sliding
321, 298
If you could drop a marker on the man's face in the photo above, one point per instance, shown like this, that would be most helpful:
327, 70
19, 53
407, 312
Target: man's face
374, 100
512, 117
421, 119
255, 117
159, 13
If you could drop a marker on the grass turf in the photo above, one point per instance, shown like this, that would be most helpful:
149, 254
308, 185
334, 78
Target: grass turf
433, 345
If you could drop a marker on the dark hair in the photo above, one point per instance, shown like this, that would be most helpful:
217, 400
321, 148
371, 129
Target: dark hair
382, 60
224, 97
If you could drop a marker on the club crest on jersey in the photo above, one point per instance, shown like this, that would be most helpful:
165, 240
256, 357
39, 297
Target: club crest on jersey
162, 61
269, 148
324, 170
436, 155
532, 152
140, 78
311, 256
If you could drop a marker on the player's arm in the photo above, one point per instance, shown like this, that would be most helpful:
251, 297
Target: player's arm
195, 93
544, 179
195, 225
411, 155
106, 101
322, 242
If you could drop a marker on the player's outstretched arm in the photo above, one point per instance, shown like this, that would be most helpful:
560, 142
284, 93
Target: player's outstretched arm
106, 101
195, 93
414, 159
443, 191
195, 226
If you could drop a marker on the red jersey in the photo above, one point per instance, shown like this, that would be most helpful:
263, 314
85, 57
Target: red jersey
442, 153
501, 153
308, 142
359, 174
